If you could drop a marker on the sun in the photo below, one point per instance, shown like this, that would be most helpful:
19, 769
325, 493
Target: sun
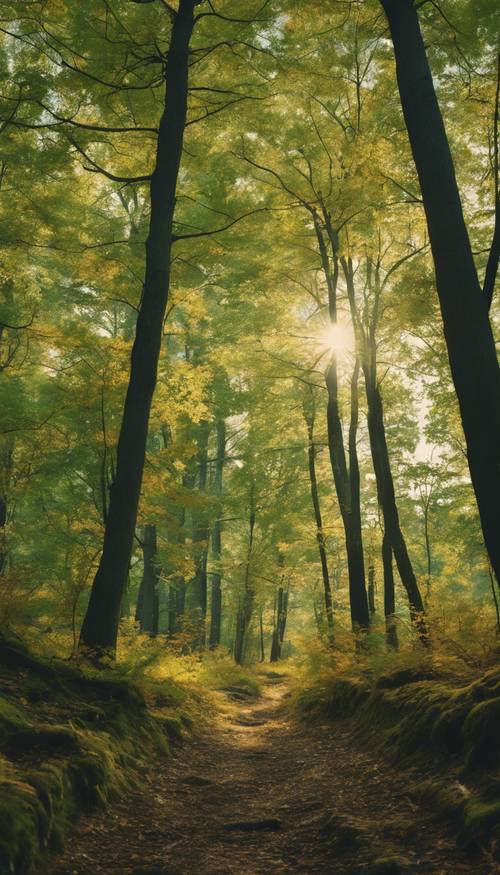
338, 337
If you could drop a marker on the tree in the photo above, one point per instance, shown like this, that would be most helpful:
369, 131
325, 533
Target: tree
464, 306
309, 416
100, 627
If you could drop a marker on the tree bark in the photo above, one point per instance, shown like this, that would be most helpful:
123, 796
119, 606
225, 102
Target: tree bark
464, 308
387, 500
371, 589
357, 585
6, 453
309, 416
280, 618
177, 588
367, 350
262, 657
391, 629
245, 609
216, 593
345, 481
197, 589
99, 632
148, 600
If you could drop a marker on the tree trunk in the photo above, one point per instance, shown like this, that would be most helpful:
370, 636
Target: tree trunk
148, 599
197, 589
177, 588
216, 593
7, 453
345, 484
428, 551
309, 416
245, 608
261, 636
371, 589
367, 350
351, 515
357, 586
280, 618
391, 629
387, 500
464, 308
100, 627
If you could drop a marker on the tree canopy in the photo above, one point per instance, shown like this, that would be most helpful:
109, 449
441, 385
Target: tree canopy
245, 199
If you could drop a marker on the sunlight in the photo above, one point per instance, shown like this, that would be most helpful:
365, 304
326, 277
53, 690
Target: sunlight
338, 338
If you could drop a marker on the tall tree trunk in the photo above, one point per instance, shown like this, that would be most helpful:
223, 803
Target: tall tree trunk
100, 627
280, 618
177, 587
428, 551
371, 588
197, 589
387, 500
367, 350
357, 585
262, 657
309, 416
464, 308
6, 457
391, 629
245, 608
216, 593
345, 484
148, 599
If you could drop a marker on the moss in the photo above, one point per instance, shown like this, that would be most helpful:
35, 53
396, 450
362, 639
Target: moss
480, 733
23, 830
69, 742
337, 699
443, 796
481, 821
173, 727
426, 720
11, 718
401, 677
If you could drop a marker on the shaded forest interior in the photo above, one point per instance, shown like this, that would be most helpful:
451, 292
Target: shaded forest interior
250, 442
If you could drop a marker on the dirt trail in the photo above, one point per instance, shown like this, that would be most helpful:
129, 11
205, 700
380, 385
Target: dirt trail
260, 795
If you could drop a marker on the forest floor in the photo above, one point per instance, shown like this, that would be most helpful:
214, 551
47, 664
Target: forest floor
257, 792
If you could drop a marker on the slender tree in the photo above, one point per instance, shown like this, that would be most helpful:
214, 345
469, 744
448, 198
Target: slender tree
310, 416
366, 341
216, 540
196, 595
147, 612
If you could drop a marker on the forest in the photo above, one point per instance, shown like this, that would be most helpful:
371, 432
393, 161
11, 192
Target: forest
250, 437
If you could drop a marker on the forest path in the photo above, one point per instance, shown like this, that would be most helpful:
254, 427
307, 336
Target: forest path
261, 794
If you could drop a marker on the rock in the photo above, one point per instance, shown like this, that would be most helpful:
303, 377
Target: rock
271, 824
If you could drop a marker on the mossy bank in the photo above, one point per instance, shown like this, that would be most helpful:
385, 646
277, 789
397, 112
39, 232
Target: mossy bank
444, 729
69, 741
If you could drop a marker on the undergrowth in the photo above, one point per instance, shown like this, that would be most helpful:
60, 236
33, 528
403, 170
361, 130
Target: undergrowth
71, 740
428, 709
